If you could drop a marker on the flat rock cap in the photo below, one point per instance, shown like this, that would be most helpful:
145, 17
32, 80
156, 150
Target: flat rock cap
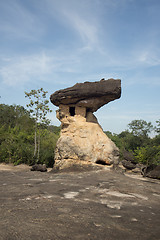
91, 95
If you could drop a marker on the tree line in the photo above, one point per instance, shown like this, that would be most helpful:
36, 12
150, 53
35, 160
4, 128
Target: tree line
136, 140
26, 135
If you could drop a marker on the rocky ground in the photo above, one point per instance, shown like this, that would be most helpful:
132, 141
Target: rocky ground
88, 205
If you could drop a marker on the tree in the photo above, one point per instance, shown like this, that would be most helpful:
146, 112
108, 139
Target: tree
14, 115
157, 129
129, 141
140, 128
17, 137
148, 155
38, 108
115, 138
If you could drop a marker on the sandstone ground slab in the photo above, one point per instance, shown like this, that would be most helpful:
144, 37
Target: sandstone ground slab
89, 205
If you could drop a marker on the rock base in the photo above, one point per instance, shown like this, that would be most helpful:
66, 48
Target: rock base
70, 165
82, 141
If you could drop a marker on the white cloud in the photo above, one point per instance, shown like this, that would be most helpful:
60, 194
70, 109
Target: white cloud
80, 18
148, 55
23, 69
91, 54
87, 31
43, 66
54, 65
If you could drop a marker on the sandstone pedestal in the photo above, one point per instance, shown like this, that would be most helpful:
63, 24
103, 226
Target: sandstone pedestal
82, 140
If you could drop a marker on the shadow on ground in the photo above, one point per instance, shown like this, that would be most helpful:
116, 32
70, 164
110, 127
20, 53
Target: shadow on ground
92, 205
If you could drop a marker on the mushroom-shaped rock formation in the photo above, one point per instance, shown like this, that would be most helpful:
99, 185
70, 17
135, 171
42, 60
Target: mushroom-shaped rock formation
91, 95
82, 139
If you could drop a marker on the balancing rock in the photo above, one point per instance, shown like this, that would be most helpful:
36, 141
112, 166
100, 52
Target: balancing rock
90, 95
82, 140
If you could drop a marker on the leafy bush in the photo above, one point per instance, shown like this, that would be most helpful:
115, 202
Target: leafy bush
148, 155
146, 150
17, 138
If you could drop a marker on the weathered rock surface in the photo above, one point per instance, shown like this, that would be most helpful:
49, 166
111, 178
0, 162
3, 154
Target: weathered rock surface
91, 95
128, 165
83, 141
92, 205
152, 171
128, 156
39, 167
128, 160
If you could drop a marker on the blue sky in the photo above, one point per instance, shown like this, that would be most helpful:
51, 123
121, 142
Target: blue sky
56, 43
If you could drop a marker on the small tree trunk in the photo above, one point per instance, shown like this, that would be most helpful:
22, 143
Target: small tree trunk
38, 147
35, 143
10, 159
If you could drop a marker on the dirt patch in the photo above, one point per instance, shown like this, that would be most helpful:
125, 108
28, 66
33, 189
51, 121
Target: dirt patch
21, 167
11, 167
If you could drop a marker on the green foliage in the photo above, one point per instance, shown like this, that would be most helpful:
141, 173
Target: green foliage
157, 128
148, 155
15, 146
115, 138
17, 137
156, 140
54, 129
140, 128
129, 141
14, 115
38, 108
146, 150
48, 143
38, 105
